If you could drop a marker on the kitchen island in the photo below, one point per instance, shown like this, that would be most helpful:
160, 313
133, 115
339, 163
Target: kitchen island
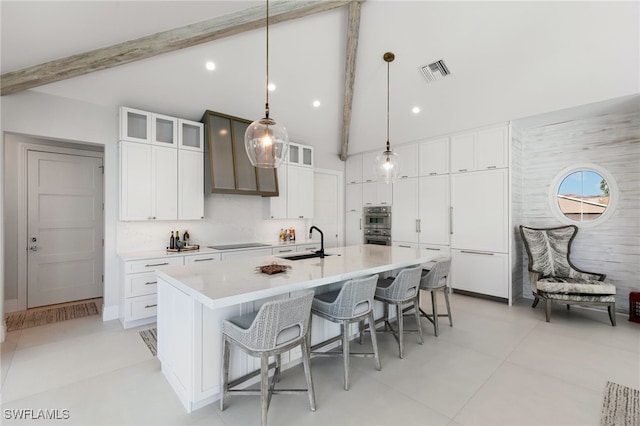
194, 299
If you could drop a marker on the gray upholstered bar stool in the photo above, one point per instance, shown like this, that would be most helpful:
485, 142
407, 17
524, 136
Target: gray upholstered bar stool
277, 327
400, 291
433, 280
352, 303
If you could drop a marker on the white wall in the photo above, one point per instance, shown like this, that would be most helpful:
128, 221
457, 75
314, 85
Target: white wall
613, 143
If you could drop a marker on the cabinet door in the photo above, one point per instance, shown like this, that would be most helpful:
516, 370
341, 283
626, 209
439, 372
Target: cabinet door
369, 194
164, 130
353, 201
408, 160
480, 211
462, 152
190, 135
480, 272
434, 157
295, 154
353, 173
135, 125
368, 167
404, 217
353, 225
307, 156
299, 192
492, 148
278, 205
200, 258
135, 181
384, 194
434, 210
164, 181
190, 185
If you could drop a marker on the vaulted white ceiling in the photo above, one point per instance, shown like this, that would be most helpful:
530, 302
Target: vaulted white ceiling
508, 60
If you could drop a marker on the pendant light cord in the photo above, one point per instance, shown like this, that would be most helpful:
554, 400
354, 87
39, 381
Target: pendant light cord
266, 106
388, 106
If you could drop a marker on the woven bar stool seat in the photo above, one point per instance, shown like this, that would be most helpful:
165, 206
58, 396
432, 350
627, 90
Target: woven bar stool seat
278, 326
352, 303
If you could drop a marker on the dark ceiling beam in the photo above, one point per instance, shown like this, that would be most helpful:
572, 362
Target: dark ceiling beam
162, 42
353, 32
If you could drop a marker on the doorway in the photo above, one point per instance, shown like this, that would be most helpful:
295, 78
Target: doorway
64, 228
327, 205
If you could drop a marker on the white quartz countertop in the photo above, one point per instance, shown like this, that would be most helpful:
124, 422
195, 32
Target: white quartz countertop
231, 282
150, 254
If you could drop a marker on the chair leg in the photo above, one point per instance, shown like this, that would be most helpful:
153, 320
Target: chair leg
535, 302
446, 298
400, 329
386, 317
276, 374
568, 307
225, 373
264, 388
547, 309
434, 308
416, 309
345, 352
374, 339
306, 363
612, 313
361, 331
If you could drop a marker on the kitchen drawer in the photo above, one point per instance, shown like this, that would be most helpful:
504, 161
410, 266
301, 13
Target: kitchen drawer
308, 247
148, 265
140, 284
288, 249
445, 251
141, 307
201, 258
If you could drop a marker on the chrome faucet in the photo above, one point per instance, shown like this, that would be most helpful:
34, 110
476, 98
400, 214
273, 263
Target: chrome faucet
321, 251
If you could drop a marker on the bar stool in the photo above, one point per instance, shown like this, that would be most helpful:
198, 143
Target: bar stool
433, 280
399, 291
352, 303
277, 327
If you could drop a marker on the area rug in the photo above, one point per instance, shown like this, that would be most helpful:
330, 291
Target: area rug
27, 319
620, 406
150, 338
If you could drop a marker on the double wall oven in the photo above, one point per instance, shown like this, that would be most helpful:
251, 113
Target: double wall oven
377, 225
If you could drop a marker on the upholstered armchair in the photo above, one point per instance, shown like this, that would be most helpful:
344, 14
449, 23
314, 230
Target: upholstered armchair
554, 278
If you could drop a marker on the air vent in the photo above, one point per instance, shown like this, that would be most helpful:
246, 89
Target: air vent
435, 71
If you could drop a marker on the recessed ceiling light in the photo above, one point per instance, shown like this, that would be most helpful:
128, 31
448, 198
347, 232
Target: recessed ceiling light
210, 65
316, 103
271, 87
416, 110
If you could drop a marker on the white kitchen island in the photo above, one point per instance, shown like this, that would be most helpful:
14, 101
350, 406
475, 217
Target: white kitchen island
194, 299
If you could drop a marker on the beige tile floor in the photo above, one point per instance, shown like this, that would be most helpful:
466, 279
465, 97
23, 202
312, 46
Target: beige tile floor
498, 365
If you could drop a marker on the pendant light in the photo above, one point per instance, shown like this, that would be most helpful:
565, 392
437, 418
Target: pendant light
387, 166
265, 140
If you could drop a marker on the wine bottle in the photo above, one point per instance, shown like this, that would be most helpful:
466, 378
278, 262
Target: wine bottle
185, 238
172, 242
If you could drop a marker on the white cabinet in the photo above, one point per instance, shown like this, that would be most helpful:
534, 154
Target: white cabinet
434, 157
434, 210
190, 135
480, 206
190, 185
135, 181
164, 130
300, 155
353, 225
246, 253
138, 305
135, 125
308, 247
164, 183
404, 217
284, 250
202, 258
480, 150
408, 159
299, 192
368, 167
377, 194
353, 173
480, 272
353, 202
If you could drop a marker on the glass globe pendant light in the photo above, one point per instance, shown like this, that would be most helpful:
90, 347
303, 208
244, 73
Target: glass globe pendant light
265, 140
387, 165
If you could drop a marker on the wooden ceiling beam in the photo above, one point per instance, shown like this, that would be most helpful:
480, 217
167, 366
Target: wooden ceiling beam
353, 32
162, 42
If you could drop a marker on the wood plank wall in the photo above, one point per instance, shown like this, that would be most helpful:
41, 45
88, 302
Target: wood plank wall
519, 279
613, 143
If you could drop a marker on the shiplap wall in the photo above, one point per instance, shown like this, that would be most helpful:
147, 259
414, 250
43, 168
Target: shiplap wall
516, 201
613, 143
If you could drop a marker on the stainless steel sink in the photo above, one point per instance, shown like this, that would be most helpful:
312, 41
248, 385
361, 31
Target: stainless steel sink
304, 256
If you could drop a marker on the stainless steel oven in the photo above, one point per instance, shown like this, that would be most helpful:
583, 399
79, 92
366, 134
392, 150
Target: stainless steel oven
377, 225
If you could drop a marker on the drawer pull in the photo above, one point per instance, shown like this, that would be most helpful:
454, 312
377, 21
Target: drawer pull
433, 174
462, 170
477, 252
203, 260
151, 306
285, 251
429, 248
151, 282
400, 245
492, 167
155, 264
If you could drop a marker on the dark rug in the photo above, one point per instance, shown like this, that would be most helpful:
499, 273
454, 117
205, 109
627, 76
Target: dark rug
26, 319
150, 338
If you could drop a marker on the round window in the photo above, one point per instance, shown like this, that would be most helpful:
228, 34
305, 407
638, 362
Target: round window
583, 194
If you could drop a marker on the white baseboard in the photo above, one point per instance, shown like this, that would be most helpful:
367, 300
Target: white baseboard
11, 305
110, 313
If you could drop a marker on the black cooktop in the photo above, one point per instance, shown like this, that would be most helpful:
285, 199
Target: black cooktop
238, 246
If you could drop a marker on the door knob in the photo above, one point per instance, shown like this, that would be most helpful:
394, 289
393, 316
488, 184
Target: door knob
33, 248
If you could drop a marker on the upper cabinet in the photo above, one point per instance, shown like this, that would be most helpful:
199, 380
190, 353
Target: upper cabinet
164, 131
434, 157
353, 173
480, 150
230, 171
190, 135
368, 167
408, 157
300, 155
147, 127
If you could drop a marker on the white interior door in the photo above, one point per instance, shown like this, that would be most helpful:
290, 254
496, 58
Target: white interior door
64, 228
325, 207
